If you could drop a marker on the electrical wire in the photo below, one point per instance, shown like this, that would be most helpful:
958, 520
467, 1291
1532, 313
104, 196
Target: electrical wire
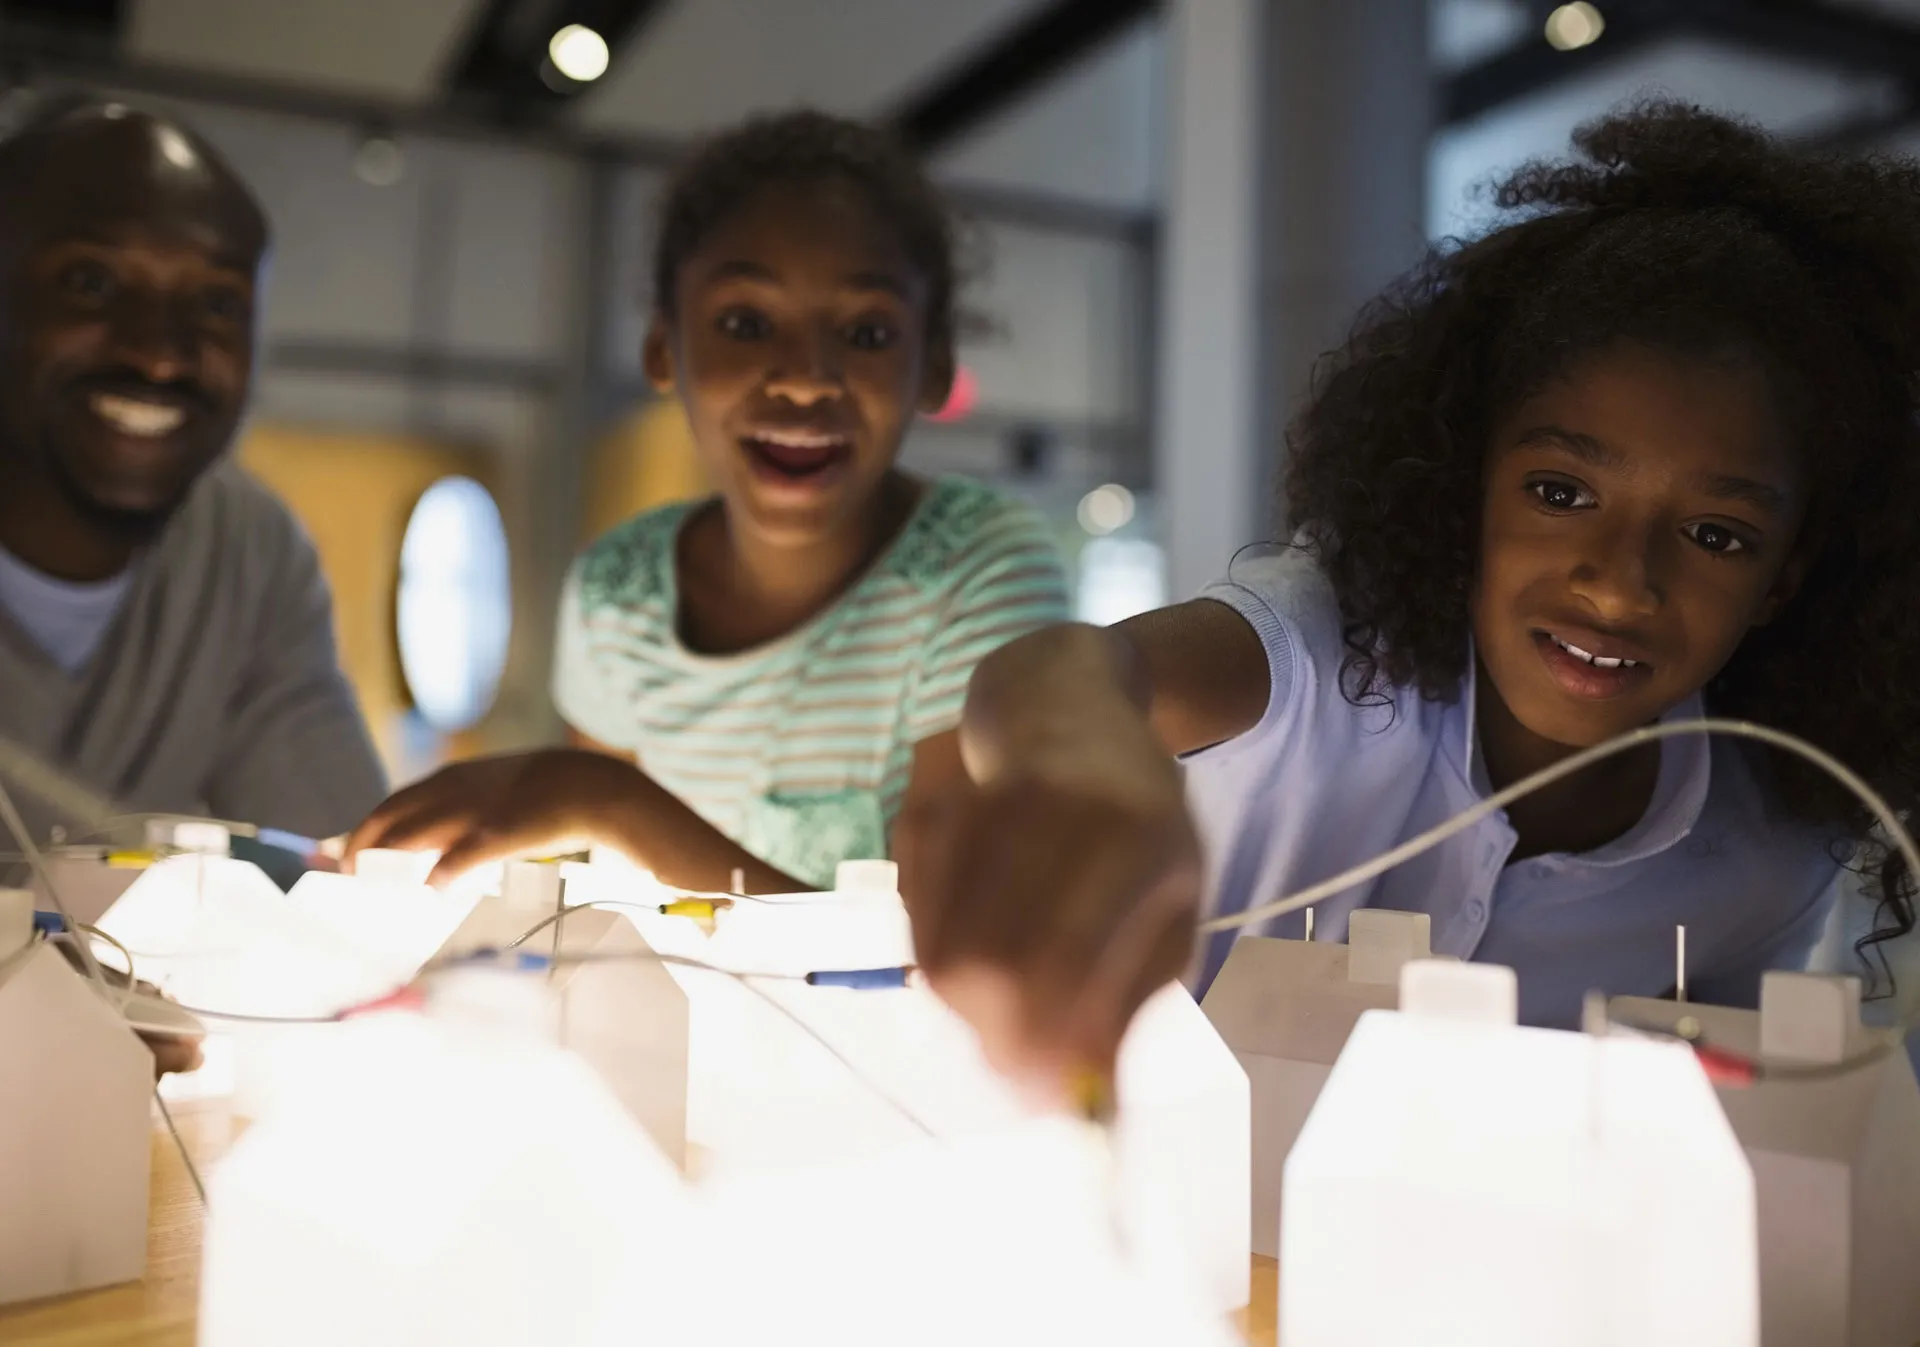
10, 815
68, 937
1883, 813
180, 1144
481, 958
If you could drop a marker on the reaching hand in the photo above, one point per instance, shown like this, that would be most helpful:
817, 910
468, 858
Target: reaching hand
1048, 905
541, 803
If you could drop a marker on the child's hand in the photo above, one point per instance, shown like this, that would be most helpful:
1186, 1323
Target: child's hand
172, 1054
543, 803
1048, 905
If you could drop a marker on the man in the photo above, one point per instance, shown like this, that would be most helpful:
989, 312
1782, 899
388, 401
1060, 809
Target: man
165, 632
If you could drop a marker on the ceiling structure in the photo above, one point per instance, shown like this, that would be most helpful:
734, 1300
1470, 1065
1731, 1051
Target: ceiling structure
1045, 100
997, 92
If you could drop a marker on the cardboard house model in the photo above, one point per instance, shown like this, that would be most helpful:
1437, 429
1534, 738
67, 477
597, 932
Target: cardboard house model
1836, 1162
1467, 1182
620, 1009
1285, 1008
75, 1147
789, 1075
93, 877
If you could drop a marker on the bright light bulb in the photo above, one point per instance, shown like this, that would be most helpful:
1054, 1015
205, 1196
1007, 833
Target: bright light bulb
1106, 508
379, 161
1573, 26
579, 53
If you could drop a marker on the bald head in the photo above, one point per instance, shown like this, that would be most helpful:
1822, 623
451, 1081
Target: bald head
129, 256
107, 161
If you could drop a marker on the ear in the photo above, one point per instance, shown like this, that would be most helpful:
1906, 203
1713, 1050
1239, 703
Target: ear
936, 378
656, 355
1785, 586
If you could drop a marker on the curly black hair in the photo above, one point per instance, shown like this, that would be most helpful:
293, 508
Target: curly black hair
1693, 233
807, 148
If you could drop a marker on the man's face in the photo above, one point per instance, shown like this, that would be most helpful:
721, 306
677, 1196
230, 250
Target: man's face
127, 279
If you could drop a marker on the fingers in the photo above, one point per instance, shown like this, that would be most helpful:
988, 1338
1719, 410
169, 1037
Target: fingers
172, 1055
474, 847
1049, 921
395, 811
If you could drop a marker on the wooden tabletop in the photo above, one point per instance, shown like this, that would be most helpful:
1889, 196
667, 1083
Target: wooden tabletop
161, 1310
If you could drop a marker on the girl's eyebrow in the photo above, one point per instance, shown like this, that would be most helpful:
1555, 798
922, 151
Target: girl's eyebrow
1586, 448
1760, 495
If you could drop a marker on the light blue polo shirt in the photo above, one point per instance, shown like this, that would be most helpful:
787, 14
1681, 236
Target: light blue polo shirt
1320, 785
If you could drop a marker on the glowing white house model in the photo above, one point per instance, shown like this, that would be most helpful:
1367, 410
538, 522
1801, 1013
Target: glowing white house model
619, 1008
1465, 1182
1836, 1161
471, 1184
75, 1143
1285, 1008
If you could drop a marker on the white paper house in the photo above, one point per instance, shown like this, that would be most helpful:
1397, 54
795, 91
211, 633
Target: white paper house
1466, 1182
432, 1181
784, 1075
471, 1186
75, 1140
1836, 1163
620, 1009
1285, 1008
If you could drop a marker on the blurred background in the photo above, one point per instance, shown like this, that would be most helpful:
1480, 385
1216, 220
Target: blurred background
1173, 209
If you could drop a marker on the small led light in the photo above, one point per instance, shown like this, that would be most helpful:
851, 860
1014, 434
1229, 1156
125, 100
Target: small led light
1106, 508
379, 162
176, 149
1573, 26
579, 53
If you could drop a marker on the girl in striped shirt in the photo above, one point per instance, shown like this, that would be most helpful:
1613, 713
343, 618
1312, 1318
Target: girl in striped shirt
745, 677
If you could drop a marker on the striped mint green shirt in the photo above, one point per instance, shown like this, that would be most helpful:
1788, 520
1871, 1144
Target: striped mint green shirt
800, 750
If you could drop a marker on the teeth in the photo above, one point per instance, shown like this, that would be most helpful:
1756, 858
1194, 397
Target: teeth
1597, 661
802, 439
132, 416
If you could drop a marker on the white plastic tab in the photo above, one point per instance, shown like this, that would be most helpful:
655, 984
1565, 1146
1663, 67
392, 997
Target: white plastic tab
201, 838
866, 877
381, 865
1481, 993
1381, 942
16, 921
533, 885
1805, 1017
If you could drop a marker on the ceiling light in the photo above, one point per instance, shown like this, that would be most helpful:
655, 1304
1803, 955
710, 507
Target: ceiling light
379, 161
579, 53
1573, 26
1106, 508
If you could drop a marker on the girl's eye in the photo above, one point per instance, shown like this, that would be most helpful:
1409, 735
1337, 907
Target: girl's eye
1558, 495
871, 336
1716, 538
86, 279
743, 325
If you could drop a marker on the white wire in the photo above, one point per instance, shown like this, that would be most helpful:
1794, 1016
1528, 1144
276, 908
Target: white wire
1466, 818
17, 826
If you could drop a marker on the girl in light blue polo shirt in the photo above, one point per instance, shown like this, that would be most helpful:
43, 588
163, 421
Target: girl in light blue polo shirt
1648, 448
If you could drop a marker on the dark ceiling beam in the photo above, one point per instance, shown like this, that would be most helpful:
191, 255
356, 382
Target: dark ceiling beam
500, 68
88, 27
1853, 39
1025, 58
1531, 66
49, 68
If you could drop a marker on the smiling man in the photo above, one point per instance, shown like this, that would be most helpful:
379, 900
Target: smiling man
165, 633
